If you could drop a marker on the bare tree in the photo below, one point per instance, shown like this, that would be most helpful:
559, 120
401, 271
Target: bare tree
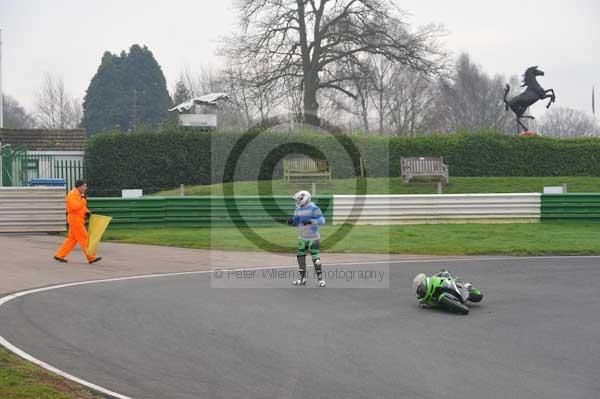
305, 39
411, 103
55, 108
258, 102
180, 91
567, 122
15, 116
403, 101
75, 114
471, 100
383, 73
248, 104
388, 95
358, 79
234, 84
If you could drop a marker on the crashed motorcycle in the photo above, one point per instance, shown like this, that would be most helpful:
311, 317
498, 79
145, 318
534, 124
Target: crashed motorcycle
444, 291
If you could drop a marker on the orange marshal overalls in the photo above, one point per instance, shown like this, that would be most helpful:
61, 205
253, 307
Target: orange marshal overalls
76, 211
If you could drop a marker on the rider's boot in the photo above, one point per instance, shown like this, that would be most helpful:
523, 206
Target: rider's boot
319, 272
301, 280
302, 272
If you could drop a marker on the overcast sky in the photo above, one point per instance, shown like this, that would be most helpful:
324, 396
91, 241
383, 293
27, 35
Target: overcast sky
68, 37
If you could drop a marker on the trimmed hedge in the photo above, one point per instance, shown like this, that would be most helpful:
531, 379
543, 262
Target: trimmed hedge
154, 161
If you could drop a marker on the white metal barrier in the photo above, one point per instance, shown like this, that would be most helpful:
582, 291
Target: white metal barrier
444, 208
32, 209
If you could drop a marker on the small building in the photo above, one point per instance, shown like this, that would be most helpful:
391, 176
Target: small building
27, 154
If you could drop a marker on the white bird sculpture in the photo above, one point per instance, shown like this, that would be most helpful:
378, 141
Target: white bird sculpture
207, 99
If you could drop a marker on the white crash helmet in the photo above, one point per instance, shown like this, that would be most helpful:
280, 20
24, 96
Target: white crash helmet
420, 285
302, 198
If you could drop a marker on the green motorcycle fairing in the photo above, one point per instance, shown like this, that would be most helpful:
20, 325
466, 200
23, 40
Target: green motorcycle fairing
435, 287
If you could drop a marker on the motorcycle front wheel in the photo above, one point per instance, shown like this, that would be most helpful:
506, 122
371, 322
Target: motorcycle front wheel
452, 304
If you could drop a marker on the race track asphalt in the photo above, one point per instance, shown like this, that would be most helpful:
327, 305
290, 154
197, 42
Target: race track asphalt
535, 335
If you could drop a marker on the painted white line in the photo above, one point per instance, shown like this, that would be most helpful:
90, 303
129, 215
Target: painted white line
19, 352
61, 373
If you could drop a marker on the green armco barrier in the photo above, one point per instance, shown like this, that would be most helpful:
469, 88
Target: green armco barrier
202, 211
142, 212
575, 206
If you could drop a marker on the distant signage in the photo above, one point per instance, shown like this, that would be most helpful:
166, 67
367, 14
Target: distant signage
553, 190
132, 193
198, 120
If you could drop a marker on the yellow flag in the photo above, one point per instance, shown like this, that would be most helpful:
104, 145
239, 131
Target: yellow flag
96, 229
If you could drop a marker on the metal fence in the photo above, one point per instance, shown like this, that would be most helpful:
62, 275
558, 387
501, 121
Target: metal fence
340, 209
446, 208
572, 206
32, 209
213, 211
203, 211
19, 168
70, 170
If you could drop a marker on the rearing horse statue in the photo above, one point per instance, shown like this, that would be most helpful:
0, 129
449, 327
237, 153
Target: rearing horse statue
531, 95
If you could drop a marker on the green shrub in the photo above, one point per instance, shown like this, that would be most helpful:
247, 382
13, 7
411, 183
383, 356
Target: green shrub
146, 160
161, 160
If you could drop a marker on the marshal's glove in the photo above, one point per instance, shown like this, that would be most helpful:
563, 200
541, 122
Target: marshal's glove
290, 221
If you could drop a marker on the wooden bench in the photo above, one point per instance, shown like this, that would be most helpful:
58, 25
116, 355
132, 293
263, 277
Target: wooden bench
423, 166
305, 168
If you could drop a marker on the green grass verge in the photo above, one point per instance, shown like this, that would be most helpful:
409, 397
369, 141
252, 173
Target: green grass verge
20, 379
458, 185
548, 238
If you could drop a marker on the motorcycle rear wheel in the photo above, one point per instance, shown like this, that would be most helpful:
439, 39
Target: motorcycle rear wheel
452, 304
